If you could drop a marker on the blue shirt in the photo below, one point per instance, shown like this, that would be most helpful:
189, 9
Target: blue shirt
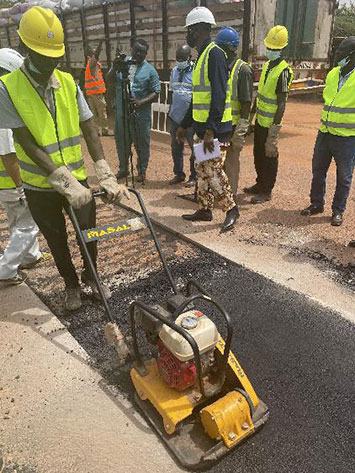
343, 79
181, 87
218, 75
144, 81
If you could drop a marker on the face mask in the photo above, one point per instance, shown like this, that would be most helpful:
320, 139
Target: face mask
343, 62
182, 65
272, 55
32, 67
190, 39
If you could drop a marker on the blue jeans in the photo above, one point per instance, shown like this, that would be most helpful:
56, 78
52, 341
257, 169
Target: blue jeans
177, 151
141, 142
342, 149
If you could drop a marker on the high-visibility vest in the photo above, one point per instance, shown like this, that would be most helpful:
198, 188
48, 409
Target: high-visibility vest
58, 136
94, 85
338, 116
5, 180
201, 89
266, 102
233, 82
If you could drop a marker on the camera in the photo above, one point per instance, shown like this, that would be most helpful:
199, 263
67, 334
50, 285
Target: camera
121, 63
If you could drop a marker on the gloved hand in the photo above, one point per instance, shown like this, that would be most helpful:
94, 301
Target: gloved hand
272, 141
66, 184
238, 138
21, 195
108, 182
180, 135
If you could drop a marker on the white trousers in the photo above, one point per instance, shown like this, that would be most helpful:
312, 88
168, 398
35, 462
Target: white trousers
23, 247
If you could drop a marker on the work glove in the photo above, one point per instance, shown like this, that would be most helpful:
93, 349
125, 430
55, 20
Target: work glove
21, 195
238, 138
272, 141
66, 184
108, 182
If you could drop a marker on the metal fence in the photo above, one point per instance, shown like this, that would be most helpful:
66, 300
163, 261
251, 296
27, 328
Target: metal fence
160, 110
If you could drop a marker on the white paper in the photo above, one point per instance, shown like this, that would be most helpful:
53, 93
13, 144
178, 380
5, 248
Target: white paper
201, 156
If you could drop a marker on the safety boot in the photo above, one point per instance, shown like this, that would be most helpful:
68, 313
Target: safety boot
73, 298
255, 189
261, 198
91, 283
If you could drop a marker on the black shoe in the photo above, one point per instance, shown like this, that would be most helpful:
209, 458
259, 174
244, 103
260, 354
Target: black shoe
177, 180
351, 243
121, 174
261, 198
312, 210
337, 219
141, 178
231, 217
255, 189
199, 216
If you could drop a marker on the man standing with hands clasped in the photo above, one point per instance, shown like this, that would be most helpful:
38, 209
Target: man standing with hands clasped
46, 111
210, 113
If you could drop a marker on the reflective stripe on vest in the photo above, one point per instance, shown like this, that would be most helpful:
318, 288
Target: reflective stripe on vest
233, 81
5, 180
59, 137
94, 85
201, 92
266, 101
338, 116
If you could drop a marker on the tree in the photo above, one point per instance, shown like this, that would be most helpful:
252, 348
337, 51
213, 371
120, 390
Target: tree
345, 21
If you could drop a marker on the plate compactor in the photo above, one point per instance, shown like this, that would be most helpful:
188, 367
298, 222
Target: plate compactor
194, 392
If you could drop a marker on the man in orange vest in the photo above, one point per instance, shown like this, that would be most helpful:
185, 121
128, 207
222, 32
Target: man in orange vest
95, 89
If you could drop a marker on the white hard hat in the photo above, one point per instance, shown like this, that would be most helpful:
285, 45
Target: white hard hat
10, 59
199, 15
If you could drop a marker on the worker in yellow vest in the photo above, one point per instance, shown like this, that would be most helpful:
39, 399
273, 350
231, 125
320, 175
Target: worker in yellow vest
95, 89
46, 111
241, 85
274, 85
22, 250
336, 136
211, 115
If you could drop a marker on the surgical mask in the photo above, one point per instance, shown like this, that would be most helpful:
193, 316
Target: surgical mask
181, 65
344, 62
32, 67
272, 55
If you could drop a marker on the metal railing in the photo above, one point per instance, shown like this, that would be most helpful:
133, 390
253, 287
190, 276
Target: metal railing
160, 110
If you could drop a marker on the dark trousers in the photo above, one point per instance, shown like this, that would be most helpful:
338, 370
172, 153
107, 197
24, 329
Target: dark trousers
342, 149
47, 211
177, 151
266, 168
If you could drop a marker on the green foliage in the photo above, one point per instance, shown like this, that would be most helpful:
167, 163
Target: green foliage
345, 21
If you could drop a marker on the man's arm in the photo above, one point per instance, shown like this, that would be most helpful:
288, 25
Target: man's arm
12, 168
281, 106
92, 140
95, 58
31, 148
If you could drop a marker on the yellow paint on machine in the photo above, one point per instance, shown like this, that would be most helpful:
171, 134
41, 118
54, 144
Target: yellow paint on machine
97, 233
228, 419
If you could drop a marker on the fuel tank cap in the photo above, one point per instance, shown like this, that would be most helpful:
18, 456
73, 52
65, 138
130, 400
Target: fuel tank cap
189, 322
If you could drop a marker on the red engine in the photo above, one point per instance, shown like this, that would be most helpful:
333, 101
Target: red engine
175, 373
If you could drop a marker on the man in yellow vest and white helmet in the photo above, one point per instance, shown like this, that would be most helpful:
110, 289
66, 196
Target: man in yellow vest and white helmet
336, 136
46, 111
210, 113
274, 84
22, 250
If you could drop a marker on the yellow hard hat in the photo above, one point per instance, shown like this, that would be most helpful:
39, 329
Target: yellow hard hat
277, 38
41, 31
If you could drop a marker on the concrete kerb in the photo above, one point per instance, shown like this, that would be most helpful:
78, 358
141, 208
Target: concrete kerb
57, 413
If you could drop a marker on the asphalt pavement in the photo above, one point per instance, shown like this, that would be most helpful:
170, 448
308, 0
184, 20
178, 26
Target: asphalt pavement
298, 355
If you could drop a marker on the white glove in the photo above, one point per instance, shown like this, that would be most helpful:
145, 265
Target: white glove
272, 141
66, 184
238, 138
21, 195
108, 182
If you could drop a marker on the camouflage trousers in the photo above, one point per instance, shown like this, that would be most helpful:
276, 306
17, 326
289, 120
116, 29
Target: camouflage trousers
212, 184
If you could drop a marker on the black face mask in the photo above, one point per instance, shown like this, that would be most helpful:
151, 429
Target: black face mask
191, 38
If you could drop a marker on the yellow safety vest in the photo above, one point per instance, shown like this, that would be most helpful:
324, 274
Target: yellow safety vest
5, 180
266, 102
233, 81
201, 89
338, 116
59, 137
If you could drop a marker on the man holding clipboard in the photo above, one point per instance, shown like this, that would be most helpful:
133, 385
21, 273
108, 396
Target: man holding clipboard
211, 115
